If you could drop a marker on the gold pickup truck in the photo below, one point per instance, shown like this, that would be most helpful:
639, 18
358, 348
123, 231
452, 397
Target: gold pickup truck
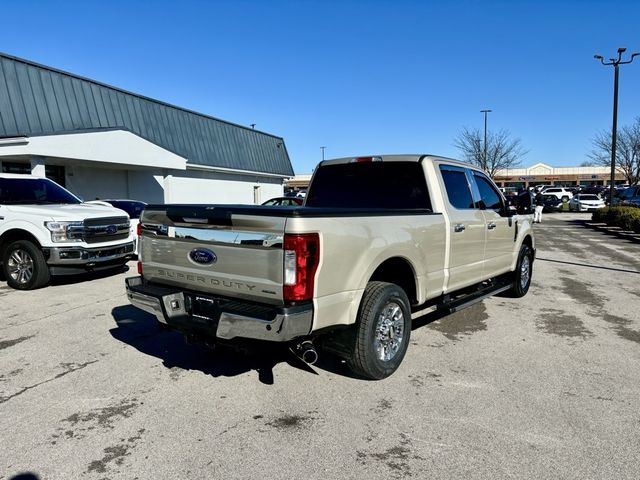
378, 242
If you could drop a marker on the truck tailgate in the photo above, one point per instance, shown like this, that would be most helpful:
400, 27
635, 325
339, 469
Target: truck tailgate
222, 250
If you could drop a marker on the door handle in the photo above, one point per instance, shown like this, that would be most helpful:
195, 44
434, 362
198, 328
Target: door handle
459, 227
491, 226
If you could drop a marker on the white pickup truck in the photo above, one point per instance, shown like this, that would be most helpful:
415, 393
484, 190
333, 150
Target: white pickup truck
46, 230
379, 241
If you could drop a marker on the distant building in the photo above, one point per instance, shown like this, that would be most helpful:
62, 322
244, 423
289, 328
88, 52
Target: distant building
299, 181
538, 174
103, 142
543, 174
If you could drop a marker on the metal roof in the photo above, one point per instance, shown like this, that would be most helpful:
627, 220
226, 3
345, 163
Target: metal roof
39, 100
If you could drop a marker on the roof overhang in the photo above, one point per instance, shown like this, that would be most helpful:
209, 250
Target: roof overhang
206, 168
112, 146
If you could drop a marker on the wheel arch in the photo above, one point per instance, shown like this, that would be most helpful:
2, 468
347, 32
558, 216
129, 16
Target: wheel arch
15, 234
527, 240
399, 271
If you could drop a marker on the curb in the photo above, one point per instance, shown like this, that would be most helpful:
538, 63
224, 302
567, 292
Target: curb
616, 231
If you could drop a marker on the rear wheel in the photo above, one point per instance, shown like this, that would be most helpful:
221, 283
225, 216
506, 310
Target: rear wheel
24, 266
522, 274
383, 330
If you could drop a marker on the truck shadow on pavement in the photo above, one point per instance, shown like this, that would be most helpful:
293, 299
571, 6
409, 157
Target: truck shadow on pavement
80, 277
87, 276
142, 331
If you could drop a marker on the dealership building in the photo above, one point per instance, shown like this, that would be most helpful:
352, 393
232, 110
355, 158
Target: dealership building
104, 142
538, 174
543, 174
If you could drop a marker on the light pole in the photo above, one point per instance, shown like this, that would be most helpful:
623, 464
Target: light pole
322, 148
485, 136
614, 129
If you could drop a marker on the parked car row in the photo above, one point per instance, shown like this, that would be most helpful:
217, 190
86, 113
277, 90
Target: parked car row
589, 198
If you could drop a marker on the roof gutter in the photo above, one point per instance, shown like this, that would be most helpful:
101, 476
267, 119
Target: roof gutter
206, 168
13, 141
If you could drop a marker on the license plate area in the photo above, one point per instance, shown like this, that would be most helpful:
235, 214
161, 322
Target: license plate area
204, 309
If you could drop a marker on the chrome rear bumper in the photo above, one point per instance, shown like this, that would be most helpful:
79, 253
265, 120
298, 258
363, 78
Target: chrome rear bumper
228, 319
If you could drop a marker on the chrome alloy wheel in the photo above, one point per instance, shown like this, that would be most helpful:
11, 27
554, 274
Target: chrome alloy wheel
389, 333
525, 272
20, 266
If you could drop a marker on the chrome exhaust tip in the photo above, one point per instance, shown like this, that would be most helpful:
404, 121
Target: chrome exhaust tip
306, 352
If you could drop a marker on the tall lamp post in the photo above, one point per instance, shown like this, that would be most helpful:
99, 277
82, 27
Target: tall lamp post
485, 135
322, 148
614, 129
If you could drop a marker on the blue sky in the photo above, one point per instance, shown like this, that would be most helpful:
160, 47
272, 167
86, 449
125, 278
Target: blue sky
358, 77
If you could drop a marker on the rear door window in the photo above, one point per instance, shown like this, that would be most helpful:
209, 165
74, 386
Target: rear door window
457, 187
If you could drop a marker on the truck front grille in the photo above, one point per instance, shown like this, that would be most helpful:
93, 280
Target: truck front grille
105, 229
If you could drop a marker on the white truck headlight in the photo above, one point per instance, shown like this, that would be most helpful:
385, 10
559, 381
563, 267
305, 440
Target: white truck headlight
65, 231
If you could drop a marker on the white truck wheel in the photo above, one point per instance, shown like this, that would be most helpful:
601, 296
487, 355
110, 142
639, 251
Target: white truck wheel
24, 266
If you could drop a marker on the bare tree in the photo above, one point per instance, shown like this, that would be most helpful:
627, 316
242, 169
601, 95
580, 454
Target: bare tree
627, 151
589, 163
502, 151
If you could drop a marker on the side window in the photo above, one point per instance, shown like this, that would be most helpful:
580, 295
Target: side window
489, 197
455, 182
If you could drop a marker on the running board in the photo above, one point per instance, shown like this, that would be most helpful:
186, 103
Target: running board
423, 312
472, 299
463, 301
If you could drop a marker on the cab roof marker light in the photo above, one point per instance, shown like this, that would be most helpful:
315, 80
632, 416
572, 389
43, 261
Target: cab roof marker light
366, 159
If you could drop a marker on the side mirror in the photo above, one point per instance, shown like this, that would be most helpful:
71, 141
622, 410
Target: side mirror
524, 203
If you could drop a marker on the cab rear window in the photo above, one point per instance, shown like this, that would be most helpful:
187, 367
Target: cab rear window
379, 185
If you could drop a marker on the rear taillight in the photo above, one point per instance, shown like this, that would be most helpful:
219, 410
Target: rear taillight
139, 268
139, 229
301, 256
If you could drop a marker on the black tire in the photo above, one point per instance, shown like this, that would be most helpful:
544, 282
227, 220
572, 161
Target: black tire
522, 273
377, 334
24, 266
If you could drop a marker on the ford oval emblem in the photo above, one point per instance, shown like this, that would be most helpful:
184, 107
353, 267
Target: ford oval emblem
202, 256
111, 229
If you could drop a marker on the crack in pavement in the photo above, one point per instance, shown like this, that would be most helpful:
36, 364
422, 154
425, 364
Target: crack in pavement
10, 343
70, 369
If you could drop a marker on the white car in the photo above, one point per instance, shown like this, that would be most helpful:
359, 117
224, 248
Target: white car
563, 194
585, 202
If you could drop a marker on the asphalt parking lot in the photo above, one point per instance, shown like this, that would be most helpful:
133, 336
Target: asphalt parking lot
546, 386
